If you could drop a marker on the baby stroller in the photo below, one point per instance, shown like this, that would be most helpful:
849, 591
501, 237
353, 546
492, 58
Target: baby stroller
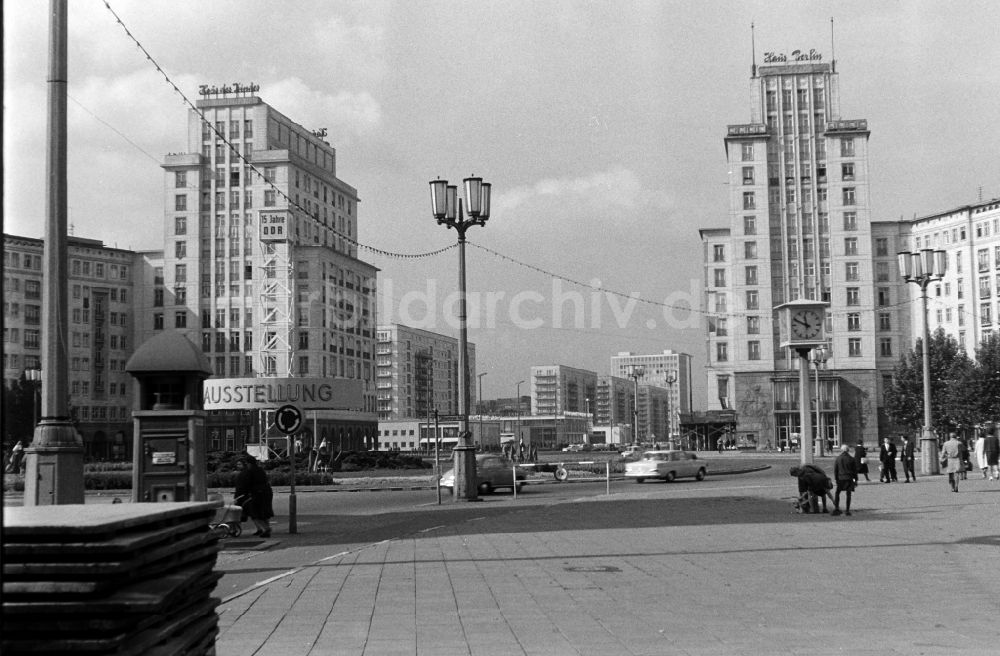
227, 522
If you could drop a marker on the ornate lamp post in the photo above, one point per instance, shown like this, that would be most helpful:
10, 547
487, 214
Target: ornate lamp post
35, 376
670, 378
819, 356
922, 269
635, 372
447, 208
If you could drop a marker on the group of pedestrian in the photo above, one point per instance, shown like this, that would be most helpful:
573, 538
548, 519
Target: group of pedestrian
988, 454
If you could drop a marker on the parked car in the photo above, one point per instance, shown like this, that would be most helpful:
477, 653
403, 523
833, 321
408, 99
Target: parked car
492, 472
666, 465
577, 448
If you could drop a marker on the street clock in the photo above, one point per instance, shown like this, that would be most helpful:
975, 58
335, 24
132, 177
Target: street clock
802, 324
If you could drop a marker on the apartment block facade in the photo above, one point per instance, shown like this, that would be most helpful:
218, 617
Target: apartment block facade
800, 226
557, 389
660, 369
417, 373
101, 321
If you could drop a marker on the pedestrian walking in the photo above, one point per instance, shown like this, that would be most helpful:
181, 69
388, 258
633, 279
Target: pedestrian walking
966, 459
814, 484
991, 451
980, 449
951, 460
253, 493
861, 459
907, 458
845, 473
16, 458
887, 458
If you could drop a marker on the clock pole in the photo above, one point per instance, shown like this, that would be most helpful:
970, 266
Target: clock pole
805, 415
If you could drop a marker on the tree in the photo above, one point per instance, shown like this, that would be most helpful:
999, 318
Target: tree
949, 366
985, 385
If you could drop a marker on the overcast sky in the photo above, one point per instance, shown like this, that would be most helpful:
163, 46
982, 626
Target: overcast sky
600, 125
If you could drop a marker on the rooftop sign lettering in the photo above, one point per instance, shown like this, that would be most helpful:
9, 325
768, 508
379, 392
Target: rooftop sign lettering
235, 87
797, 56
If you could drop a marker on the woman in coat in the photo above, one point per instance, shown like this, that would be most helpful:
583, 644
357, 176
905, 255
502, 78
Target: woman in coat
861, 460
952, 450
253, 494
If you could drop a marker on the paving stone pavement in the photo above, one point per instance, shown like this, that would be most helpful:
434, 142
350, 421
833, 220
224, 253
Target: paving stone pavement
658, 571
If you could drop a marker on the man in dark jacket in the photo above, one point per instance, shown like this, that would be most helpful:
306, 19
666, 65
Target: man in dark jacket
845, 473
813, 484
991, 451
906, 455
887, 456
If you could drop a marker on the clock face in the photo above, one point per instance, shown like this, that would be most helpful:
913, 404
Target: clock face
806, 324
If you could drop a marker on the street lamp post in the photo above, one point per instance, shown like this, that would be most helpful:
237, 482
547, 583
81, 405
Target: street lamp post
35, 376
819, 356
447, 209
922, 269
517, 441
635, 371
670, 378
479, 405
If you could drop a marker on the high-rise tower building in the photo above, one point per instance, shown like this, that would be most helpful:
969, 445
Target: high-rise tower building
259, 265
800, 226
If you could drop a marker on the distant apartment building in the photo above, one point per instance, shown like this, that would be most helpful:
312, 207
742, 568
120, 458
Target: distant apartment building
557, 389
966, 302
101, 334
660, 369
615, 400
259, 265
800, 227
417, 373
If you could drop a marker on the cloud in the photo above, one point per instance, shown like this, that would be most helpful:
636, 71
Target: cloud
357, 113
615, 189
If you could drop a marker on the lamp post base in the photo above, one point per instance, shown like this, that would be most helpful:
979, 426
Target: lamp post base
54, 465
464, 461
929, 462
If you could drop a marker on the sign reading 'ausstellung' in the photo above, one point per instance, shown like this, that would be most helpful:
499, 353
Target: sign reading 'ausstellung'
269, 393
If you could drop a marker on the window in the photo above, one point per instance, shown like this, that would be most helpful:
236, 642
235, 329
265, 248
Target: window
180, 225
753, 325
180, 250
751, 275
269, 198
32, 289
854, 347
719, 253
854, 321
720, 303
721, 327
885, 347
985, 316
851, 271
753, 300
849, 196
721, 352
883, 296
847, 171
750, 227
720, 277
747, 151
959, 288
984, 287
853, 296
180, 295
850, 245
180, 273
247, 129
748, 201
983, 259
748, 175
882, 271
881, 246
180, 319
750, 250
158, 321
850, 220
847, 147
960, 310
180, 179
180, 202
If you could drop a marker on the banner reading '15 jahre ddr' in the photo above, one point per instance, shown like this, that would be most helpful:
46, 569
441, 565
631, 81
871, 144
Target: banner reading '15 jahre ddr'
269, 393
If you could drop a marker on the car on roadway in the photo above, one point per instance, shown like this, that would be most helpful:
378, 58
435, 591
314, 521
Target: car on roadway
666, 465
492, 472
577, 448
632, 452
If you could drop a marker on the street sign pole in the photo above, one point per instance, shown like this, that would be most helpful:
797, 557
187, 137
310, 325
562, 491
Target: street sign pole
288, 420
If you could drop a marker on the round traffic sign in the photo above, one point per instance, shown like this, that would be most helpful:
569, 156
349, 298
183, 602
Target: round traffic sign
288, 419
